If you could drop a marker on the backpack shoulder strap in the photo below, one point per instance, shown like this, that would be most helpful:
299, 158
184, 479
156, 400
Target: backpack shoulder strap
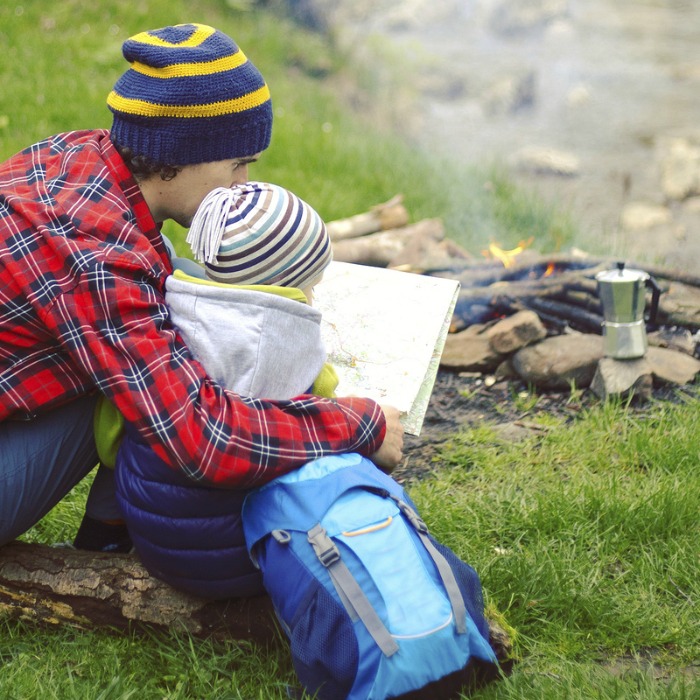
459, 609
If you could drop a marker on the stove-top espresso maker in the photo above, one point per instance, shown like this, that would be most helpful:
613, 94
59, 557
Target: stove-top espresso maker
623, 296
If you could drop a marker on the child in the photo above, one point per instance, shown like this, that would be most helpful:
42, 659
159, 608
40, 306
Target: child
259, 340
250, 323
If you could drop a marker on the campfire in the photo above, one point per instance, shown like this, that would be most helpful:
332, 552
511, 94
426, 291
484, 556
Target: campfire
536, 317
561, 290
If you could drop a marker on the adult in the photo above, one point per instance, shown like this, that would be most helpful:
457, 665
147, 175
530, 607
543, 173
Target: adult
82, 309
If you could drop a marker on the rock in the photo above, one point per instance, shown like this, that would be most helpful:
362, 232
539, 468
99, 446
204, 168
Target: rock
692, 205
671, 367
679, 339
505, 370
449, 85
470, 350
578, 96
513, 17
547, 161
559, 362
680, 169
511, 94
623, 378
410, 15
516, 331
641, 216
636, 378
512, 432
680, 305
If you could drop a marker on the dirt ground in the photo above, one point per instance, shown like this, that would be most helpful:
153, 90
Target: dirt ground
463, 400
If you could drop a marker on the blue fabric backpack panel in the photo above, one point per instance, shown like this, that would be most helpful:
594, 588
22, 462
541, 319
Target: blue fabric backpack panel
373, 606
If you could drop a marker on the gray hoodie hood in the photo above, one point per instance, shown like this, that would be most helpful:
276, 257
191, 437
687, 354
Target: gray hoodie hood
254, 343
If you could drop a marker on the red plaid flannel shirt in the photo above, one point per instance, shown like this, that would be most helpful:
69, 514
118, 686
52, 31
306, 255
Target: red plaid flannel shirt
82, 309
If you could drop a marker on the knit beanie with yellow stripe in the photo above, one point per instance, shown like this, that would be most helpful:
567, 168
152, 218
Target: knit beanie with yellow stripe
189, 96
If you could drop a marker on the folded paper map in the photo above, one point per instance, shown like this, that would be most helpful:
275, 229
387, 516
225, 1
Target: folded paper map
384, 332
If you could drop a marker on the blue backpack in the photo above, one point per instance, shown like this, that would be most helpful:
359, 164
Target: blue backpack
372, 605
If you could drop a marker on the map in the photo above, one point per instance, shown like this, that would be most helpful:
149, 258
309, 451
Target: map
384, 332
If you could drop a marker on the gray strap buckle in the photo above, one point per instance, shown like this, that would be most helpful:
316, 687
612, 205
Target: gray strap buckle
325, 548
411, 515
349, 591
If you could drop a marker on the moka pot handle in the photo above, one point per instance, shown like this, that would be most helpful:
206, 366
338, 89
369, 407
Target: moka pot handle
655, 294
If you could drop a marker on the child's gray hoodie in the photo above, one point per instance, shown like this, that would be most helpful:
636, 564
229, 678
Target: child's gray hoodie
254, 343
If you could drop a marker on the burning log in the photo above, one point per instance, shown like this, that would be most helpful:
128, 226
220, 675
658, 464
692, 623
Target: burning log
564, 291
542, 270
555, 312
583, 297
569, 297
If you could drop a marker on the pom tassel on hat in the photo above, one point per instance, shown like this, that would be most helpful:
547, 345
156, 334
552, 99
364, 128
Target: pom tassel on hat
209, 224
259, 233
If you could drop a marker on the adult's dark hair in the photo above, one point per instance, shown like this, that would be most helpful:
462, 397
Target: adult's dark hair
143, 167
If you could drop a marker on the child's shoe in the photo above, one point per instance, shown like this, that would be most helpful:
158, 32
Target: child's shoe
99, 536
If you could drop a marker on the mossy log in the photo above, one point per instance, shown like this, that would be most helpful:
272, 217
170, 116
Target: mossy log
57, 586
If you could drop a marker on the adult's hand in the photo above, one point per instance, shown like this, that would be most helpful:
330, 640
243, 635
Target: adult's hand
388, 456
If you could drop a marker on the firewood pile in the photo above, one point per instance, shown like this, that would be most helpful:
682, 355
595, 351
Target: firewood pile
555, 317
560, 288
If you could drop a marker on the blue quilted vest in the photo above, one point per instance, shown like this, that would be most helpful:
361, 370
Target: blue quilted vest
185, 533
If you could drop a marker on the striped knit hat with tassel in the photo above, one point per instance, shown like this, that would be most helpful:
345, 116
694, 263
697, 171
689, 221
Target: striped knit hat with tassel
258, 233
189, 96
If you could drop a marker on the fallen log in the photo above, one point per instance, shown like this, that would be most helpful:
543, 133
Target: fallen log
56, 586
389, 215
90, 590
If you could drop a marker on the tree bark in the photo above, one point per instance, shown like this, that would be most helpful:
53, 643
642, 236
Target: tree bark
89, 590
56, 586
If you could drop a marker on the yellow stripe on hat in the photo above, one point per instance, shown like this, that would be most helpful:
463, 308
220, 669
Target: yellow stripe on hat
201, 34
213, 109
182, 70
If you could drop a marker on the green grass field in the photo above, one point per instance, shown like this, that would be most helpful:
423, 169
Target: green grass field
586, 537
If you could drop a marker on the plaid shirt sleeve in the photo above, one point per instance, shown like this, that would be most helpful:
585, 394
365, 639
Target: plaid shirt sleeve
82, 308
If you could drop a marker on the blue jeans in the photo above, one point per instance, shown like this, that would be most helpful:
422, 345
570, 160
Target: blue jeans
41, 460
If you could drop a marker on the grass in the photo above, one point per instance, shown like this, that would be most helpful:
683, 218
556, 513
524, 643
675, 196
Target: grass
102, 667
586, 538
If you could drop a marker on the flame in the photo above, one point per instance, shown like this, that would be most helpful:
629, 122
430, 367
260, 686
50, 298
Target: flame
551, 267
507, 257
